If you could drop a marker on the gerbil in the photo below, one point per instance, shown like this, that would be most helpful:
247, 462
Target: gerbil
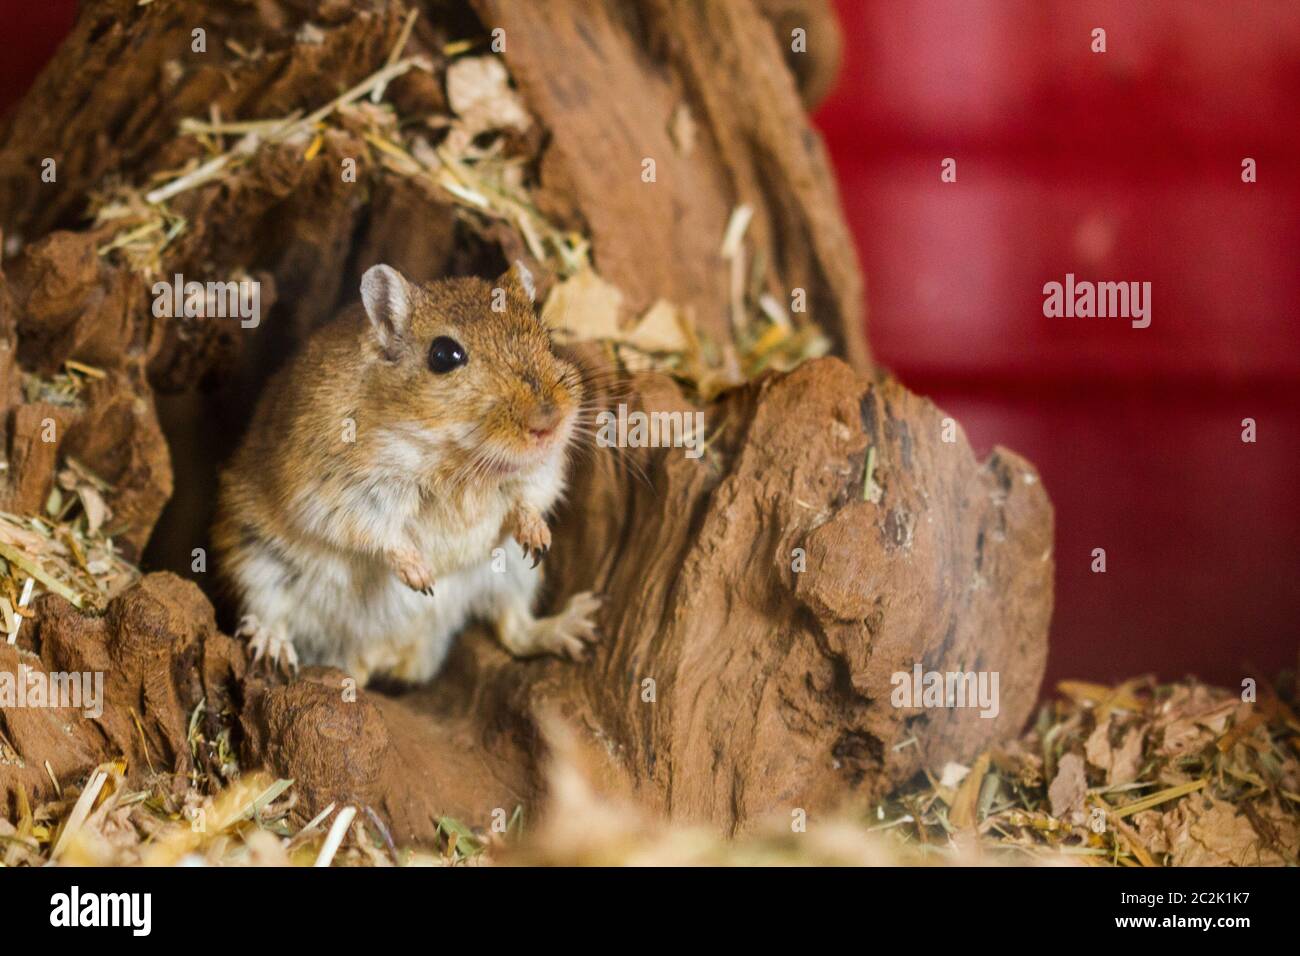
384, 465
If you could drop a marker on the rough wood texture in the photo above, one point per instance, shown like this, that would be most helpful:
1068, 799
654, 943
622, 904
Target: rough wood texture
771, 687
66, 304
159, 650
607, 83
603, 79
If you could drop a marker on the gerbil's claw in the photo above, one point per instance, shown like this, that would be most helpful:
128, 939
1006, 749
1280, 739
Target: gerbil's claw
269, 644
411, 569
530, 531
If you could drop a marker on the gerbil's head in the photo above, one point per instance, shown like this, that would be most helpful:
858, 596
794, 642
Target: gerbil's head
466, 373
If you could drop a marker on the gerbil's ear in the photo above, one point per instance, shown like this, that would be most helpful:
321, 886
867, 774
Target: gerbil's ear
520, 279
387, 299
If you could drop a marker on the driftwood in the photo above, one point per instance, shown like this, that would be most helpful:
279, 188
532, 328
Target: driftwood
758, 600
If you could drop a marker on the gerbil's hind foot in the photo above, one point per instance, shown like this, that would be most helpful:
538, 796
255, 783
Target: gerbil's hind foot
566, 634
268, 643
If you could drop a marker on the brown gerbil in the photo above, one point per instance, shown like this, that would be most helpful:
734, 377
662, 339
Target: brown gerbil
364, 518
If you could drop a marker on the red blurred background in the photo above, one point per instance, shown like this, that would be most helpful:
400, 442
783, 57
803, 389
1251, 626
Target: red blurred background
1120, 166
1124, 165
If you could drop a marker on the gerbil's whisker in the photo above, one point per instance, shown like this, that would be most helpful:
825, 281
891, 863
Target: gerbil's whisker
587, 442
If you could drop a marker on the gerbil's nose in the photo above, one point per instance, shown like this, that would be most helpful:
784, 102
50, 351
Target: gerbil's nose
543, 419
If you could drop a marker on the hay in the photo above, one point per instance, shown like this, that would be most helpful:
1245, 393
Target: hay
472, 169
1136, 775
68, 550
1213, 783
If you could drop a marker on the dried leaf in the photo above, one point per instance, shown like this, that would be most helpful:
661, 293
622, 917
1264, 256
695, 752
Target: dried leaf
1097, 748
1068, 790
585, 306
660, 330
1220, 836
478, 91
96, 508
1127, 760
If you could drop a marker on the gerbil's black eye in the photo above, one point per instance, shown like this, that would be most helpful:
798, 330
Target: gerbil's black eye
446, 354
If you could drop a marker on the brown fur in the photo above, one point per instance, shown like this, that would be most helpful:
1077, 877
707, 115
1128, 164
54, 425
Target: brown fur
325, 424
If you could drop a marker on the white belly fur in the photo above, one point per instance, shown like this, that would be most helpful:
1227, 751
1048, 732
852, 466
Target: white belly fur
350, 610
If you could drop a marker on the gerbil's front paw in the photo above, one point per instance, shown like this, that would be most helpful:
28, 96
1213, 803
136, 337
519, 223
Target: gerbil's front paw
415, 574
269, 643
529, 528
